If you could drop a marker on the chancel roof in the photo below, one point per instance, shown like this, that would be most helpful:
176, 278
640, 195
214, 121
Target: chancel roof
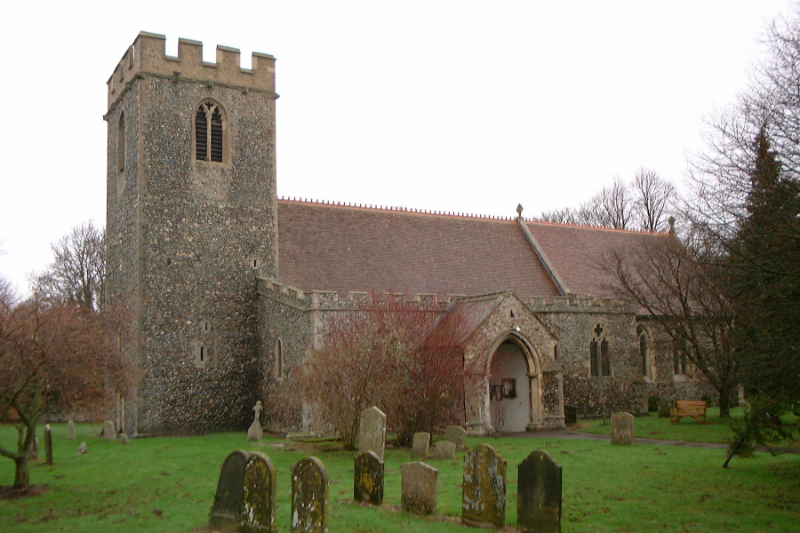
346, 248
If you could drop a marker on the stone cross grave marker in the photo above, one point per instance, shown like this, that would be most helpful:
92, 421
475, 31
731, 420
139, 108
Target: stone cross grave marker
444, 449
484, 496
109, 432
664, 406
256, 432
259, 500
420, 444
309, 496
368, 478
48, 445
418, 488
227, 506
622, 429
539, 494
372, 431
71, 430
457, 435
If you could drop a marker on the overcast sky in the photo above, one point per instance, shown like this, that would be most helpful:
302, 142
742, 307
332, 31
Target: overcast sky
454, 106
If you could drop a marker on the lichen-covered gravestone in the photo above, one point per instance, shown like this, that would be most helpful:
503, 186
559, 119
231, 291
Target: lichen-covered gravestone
622, 429
372, 431
48, 445
109, 432
259, 499
444, 450
368, 478
664, 406
457, 435
418, 488
71, 430
539, 494
309, 496
484, 496
256, 432
420, 444
227, 507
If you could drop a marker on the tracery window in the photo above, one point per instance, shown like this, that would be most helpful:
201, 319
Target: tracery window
598, 353
209, 132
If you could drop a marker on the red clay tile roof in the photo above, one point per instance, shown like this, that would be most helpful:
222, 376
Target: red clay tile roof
345, 248
574, 252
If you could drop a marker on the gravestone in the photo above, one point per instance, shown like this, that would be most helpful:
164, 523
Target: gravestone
622, 429
457, 435
570, 414
227, 506
368, 478
652, 404
539, 494
444, 450
484, 494
71, 430
256, 432
309, 496
259, 500
418, 488
109, 433
420, 444
123, 439
33, 455
48, 445
81, 448
664, 406
372, 431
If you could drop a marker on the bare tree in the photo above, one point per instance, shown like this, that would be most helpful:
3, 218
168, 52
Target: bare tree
652, 197
77, 274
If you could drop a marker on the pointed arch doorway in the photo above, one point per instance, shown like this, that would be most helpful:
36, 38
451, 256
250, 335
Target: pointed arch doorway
514, 391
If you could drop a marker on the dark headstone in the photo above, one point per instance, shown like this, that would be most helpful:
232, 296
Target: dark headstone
259, 501
418, 488
372, 431
570, 414
652, 404
368, 478
484, 496
309, 496
539, 494
48, 446
622, 429
227, 507
664, 406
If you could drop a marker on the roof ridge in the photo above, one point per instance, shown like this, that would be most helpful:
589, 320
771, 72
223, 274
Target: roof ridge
589, 226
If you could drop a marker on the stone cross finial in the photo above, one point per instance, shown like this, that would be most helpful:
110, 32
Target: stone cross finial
257, 408
519, 210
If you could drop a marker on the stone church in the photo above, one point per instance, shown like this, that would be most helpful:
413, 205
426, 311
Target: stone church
229, 287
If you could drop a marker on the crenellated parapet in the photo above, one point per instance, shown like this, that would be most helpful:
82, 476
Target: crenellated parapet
147, 55
581, 304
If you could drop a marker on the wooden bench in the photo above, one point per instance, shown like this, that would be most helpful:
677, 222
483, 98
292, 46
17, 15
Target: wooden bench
696, 410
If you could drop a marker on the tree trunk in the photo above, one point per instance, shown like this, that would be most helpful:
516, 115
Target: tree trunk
22, 475
724, 405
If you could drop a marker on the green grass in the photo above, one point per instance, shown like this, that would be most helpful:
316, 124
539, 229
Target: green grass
167, 485
717, 430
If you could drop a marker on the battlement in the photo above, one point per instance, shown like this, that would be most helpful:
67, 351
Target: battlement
574, 303
148, 55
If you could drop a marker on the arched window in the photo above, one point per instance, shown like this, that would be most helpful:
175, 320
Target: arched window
209, 132
598, 353
279, 359
121, 143
644, 351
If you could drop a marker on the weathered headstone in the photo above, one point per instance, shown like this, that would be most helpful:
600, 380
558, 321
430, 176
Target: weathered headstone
368, 478
109, 432
444, 449
539, 494
259, 501
256, 432
227, 507
484, 495
123, 439
664, 406
622, 429
372, 431
457, 435
309, 496
48, 445
81, 448
71, 430
420, 444
570, 414
418, 488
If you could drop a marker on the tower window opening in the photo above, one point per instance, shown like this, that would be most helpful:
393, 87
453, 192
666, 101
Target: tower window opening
209, 133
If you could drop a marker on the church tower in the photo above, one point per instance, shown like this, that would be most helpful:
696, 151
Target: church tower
191, 222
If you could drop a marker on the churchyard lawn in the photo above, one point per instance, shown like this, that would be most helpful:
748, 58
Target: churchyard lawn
167, 485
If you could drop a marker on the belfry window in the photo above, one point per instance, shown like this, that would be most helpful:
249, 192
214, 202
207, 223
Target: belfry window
121, 143
598, 353
209, 132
